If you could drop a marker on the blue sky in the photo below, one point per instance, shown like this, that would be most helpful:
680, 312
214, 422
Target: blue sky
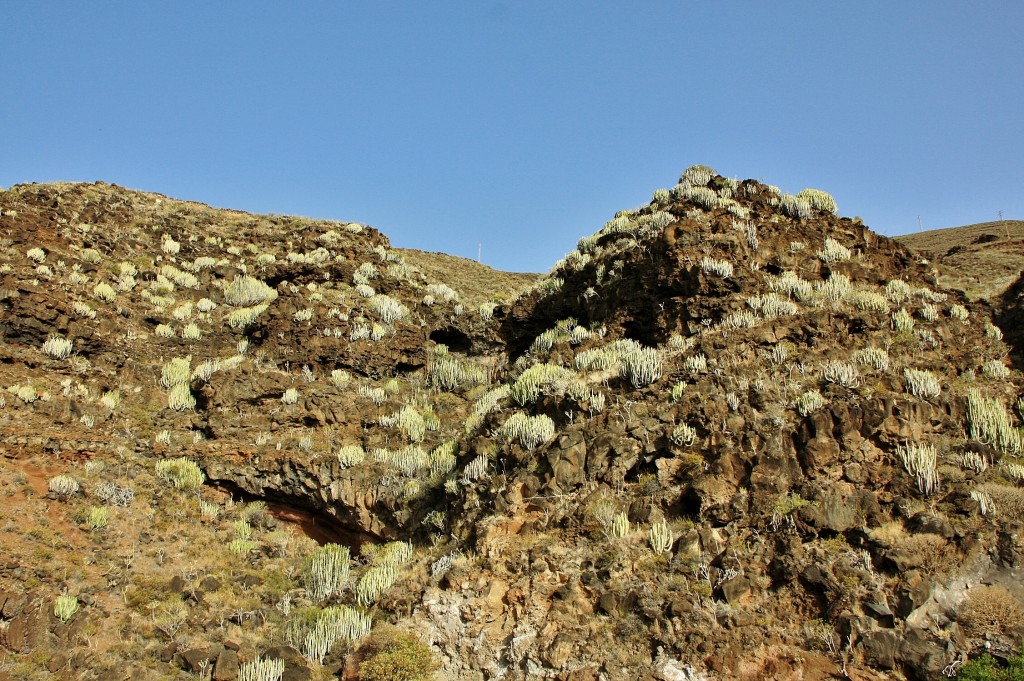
517, 127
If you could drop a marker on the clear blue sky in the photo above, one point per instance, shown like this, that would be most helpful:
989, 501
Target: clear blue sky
516, 125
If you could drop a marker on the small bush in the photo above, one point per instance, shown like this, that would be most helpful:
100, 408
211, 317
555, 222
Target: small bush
97, 517
191, 332
809, 402
326, 571
898, 291
180, 473
660, 537
546, 379
986, 668
65, 607
261, 670
795, 207
245, 316
868, 301
450, 373
697, 175
921, 460
683, 435
841, 373
641, 367
720, 268
696, 364
702, 196
248, 291
83, 310
111, 399
64, 486
393, 655
993, 369
833, 252
105, 292
819, 199
531, 431
834, 289
921, 383
350, 455
872, 357
990, 611
314, 631
57, 347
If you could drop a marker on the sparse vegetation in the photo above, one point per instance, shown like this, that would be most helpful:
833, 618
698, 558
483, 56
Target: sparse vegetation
634, 435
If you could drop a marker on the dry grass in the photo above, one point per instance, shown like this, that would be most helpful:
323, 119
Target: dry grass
982, 260
475, 283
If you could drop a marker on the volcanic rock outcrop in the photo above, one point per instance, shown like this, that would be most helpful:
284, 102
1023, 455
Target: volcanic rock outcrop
732, 433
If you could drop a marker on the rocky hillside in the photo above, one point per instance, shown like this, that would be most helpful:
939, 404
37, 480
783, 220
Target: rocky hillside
732, 435
982, 260
986, 261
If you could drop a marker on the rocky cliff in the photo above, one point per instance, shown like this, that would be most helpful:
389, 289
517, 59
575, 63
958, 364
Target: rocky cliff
732, 434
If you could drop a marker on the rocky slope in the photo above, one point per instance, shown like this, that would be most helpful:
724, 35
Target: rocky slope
731, 435
986, 261
981, 260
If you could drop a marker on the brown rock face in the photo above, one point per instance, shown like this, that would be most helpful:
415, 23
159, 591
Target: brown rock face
732, 431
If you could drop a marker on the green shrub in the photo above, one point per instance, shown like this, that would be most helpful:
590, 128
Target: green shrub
245, 316
65, 607
721, 268
450, 373
641, 366
833, 252
241, 547
261, 670
176, 372
697, 175
986, 668
57, 347
809, 402
531, 431
326, 571
181, 473
819, 199
104, 292
180, 398
97, 517
547, 379
921, 460
393, 655
795, 206
245, 291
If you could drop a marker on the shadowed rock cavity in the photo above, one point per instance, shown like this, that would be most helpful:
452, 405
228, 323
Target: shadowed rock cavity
317, 524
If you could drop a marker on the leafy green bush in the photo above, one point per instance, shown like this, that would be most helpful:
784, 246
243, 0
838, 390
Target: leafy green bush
393, 655
986, 668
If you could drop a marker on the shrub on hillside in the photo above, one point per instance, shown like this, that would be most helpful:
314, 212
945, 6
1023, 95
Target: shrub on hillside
986, 668
393, 655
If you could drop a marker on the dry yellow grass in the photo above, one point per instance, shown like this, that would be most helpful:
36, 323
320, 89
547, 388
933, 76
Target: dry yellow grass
475, 283
982, 260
